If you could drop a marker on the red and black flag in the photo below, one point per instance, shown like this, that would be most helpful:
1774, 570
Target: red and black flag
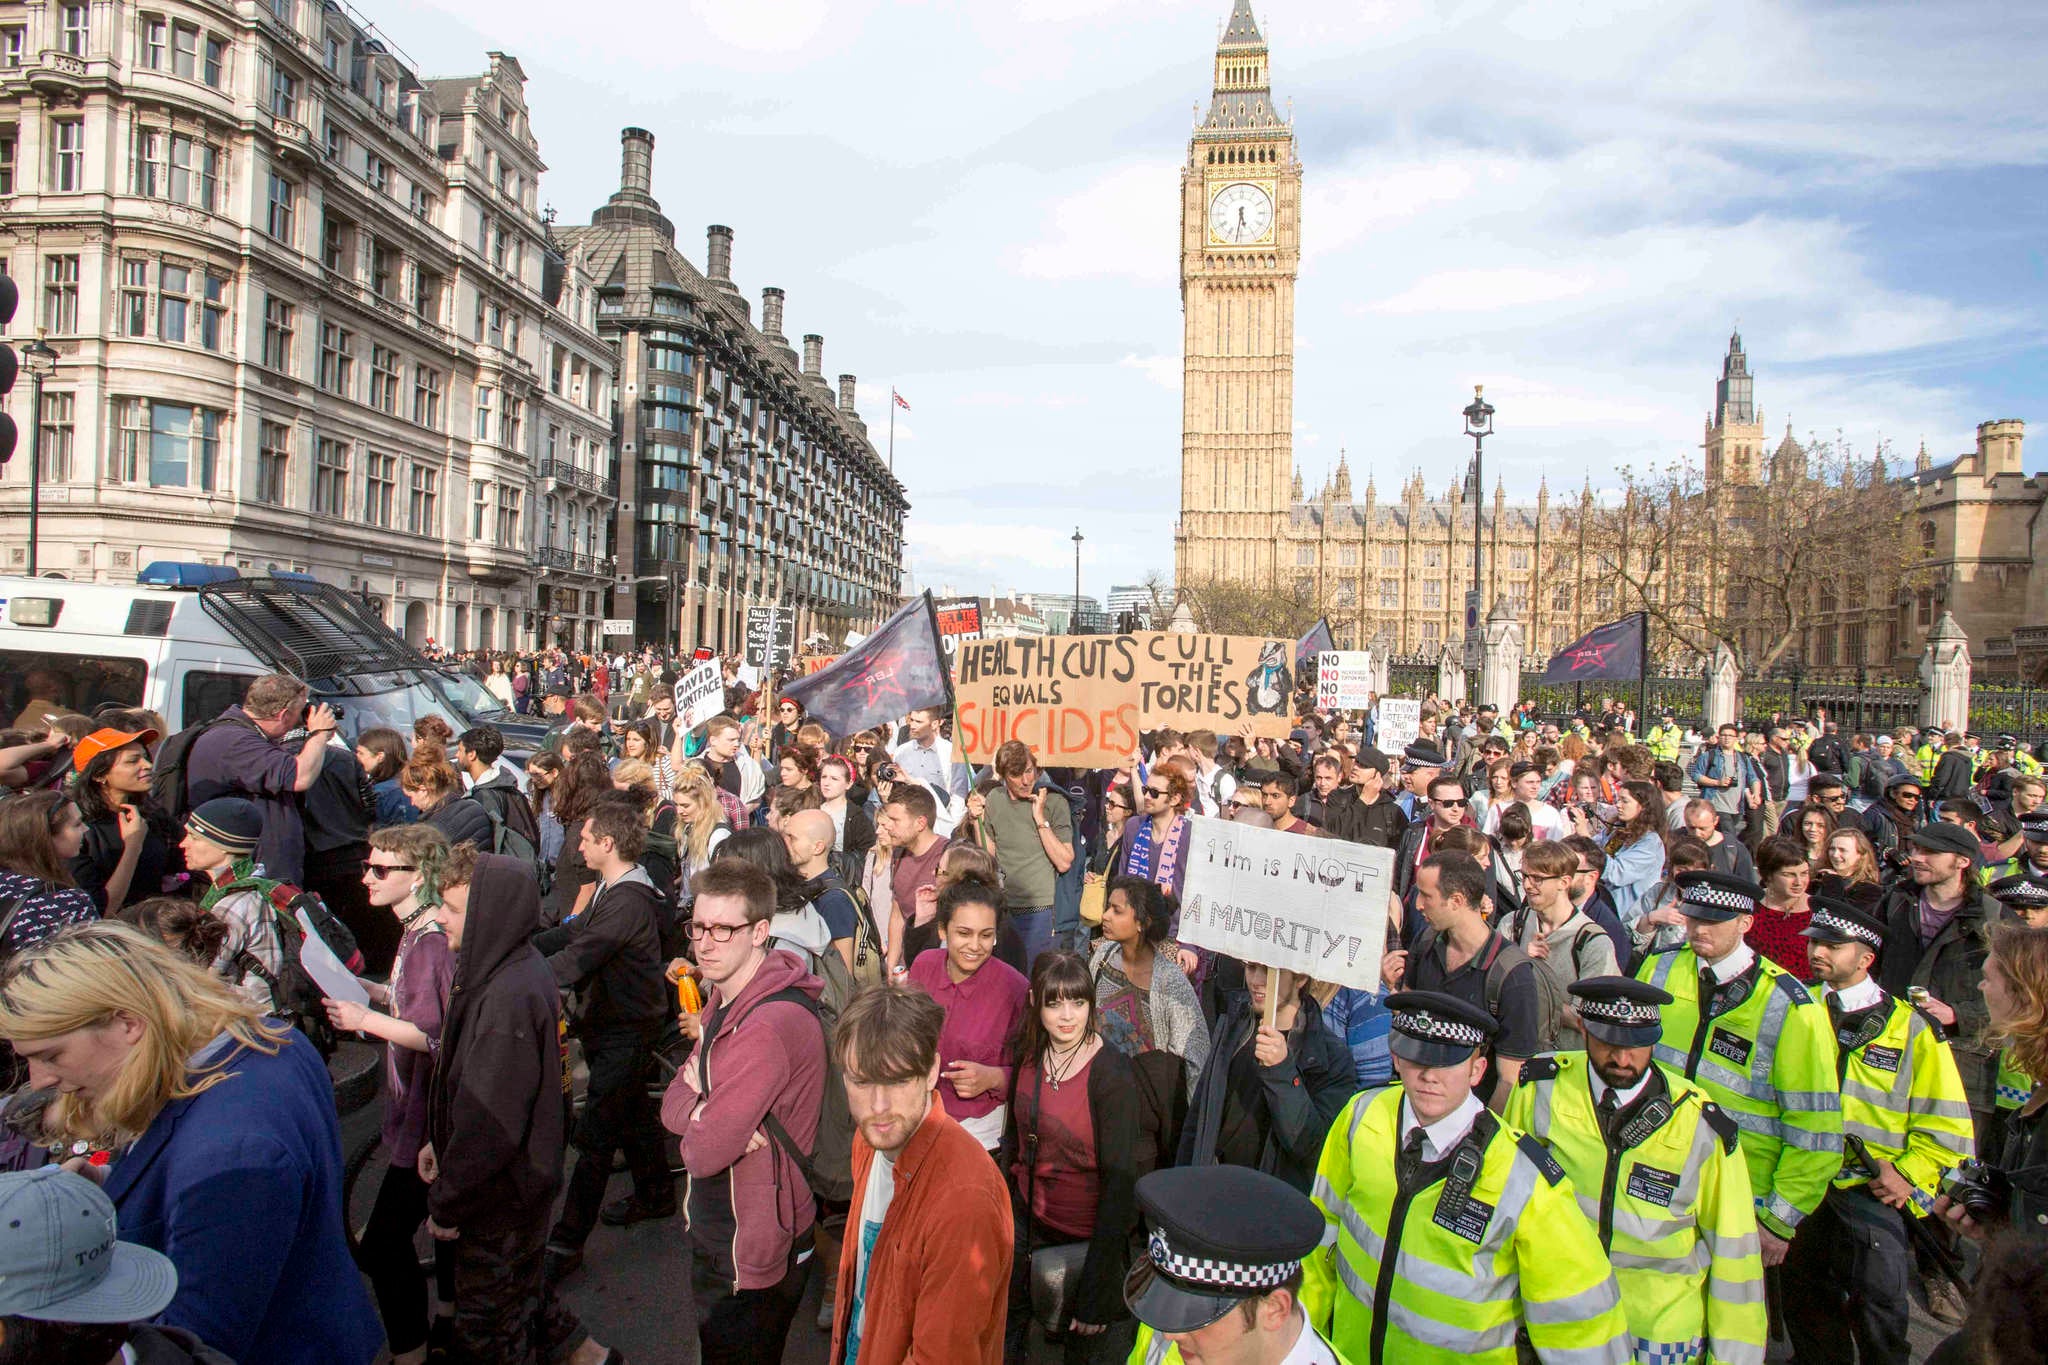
1609, 653
894, 671
1315, 642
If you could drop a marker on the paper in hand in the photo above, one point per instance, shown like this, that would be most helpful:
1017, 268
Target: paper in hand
335, 981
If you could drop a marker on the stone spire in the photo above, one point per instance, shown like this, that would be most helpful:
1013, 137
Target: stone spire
1343, 477
1297, 485
1923, 461
1243, 98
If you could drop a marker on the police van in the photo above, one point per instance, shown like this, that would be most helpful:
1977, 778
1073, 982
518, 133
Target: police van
186, 640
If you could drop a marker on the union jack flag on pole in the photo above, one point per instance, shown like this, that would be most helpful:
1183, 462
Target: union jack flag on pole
901, 401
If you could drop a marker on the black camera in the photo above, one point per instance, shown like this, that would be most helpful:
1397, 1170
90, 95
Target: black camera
1984, 1192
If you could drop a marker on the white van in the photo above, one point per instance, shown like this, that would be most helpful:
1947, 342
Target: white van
186, 640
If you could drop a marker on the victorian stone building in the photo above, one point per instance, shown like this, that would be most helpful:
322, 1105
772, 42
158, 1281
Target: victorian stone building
302, 309
749, 478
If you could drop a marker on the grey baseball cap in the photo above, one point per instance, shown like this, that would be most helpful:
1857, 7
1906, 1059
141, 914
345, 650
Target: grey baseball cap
59, 1261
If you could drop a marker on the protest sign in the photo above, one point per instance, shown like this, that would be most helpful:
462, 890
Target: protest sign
1295, 901
1081, 700
770, 632
1400, 724
959, 619
700, 695
1343, 680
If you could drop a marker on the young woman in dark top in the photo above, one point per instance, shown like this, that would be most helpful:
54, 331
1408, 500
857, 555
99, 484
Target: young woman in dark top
431, 785
1074, 1125
40, 834
130, 850
585, 777
381, 751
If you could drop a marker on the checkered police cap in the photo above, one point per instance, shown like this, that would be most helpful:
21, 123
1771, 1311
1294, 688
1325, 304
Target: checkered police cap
1618, 1010
1210, 1273
1711, 891
2020, 890
2034, 825
1844, 927
1434, 1028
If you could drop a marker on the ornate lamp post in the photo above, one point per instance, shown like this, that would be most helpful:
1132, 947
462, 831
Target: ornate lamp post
39, 358
1074, 617
1479, 426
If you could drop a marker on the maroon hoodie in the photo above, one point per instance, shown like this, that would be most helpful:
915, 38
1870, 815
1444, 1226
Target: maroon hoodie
762, 1057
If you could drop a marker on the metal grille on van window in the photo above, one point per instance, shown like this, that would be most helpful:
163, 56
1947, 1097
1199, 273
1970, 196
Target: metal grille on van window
148, 618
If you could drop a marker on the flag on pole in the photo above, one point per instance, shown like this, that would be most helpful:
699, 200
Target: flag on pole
901, 401
899, 668
1315, 642
1609, 653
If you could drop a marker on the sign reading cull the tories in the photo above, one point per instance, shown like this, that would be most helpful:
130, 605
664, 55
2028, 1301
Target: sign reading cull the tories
1297, 901
700, 695
1080, 700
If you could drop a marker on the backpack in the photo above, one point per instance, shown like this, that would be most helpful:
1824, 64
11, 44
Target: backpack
828, 1167
292, 990
168, 785
509, 839
1506, 957
869, 963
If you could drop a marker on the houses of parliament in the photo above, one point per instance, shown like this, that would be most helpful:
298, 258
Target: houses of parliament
1394, 565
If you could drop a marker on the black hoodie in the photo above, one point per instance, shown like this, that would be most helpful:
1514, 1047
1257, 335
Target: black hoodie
497, 1115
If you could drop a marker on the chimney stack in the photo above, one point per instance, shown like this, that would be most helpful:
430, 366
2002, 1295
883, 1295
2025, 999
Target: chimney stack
846, 394
814, 355
718, 254
636, 169
771, 313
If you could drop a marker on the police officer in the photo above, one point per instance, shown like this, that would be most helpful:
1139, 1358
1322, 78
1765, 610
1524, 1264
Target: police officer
1453, 1233
2025, 898
1905, 1120
1751, 1036
1657, 1167
1664, 738
1223, 1269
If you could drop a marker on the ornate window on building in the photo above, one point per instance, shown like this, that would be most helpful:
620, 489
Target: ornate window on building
384, 379
330, 478
1390, 556
53, 436
60, 294
273, 462
1348, 556
380, 487
1433, 594
426, 397
166, 445
1304, 554
337, 359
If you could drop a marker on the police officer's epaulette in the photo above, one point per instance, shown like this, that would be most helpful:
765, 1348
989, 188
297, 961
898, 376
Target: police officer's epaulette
1723, 1123
1540, 1155
1790, 984
1940, 1030
1541, 1068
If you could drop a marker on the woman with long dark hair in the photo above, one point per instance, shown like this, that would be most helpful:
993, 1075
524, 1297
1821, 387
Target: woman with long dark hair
382, 752
585, 778
1635, 847
1074, 1126
984, 1001
129, 851
40, 834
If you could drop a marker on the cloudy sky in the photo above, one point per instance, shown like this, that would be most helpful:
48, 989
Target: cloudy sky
1571, 201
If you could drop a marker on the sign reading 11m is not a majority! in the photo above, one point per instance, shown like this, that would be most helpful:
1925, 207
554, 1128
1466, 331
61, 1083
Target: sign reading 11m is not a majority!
1294, 901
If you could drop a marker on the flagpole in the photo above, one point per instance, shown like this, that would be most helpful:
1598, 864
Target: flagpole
892, 429
1643, 679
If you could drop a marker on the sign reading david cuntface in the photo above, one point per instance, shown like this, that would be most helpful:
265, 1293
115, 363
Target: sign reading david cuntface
1079, 701
1310, 905
700, 695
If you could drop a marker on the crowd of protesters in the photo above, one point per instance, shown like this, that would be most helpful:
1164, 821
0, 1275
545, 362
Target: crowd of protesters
984, 1061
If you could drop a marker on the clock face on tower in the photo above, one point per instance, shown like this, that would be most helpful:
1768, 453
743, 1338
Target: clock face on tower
1240, 215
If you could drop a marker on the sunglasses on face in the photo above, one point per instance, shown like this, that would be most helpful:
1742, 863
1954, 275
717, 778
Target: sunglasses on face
1250, 804
1117, 805
1451, 804
382, 870
1161, 792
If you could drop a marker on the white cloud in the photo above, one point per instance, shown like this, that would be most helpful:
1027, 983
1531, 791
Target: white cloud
1163, 370
1124, 224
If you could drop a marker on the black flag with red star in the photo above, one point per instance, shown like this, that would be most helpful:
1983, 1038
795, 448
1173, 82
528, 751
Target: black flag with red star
894, 671
1609, 653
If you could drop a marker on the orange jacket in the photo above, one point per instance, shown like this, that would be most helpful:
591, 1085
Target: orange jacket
939, 1276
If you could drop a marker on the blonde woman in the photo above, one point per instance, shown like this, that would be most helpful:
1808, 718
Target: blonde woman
700, 821
234, 1170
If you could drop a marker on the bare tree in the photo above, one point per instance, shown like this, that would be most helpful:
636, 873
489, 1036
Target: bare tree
1765, 568
1221, 607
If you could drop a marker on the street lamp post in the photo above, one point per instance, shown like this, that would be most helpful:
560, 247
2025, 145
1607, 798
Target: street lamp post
39, 358
1479, 426
1074, 617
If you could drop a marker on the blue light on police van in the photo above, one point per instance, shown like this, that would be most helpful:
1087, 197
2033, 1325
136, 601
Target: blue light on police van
170, 573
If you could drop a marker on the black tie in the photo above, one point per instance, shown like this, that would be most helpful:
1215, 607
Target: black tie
1409, 1164
1708, 985
1604, 1111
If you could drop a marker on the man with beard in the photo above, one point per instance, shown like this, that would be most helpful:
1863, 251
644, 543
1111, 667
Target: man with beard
1658, 1171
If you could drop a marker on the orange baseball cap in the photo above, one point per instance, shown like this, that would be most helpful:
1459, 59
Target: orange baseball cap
104, 741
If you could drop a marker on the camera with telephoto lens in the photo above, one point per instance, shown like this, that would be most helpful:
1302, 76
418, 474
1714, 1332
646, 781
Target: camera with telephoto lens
1982, 1191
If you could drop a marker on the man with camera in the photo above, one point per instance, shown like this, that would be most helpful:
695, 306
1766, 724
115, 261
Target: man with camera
1905, 1121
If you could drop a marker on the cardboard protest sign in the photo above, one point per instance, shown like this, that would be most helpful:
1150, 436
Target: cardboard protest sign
1400, 724
1295, 901
700, 695
1343, 680
1081, 700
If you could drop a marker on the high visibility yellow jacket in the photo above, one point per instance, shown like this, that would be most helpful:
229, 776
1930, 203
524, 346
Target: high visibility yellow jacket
1768, 1058
1926, 757
1669, 1195
2014, 1085
1151, 1350
1663, 741
1465, 1273
1902, 1096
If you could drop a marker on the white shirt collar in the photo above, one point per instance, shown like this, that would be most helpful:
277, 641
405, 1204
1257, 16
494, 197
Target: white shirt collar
1623, 1098
1860, 996
1309, 1347
1733, 965
1439, 1137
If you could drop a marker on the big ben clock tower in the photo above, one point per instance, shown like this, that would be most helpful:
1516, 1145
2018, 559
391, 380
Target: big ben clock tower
1240, 248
